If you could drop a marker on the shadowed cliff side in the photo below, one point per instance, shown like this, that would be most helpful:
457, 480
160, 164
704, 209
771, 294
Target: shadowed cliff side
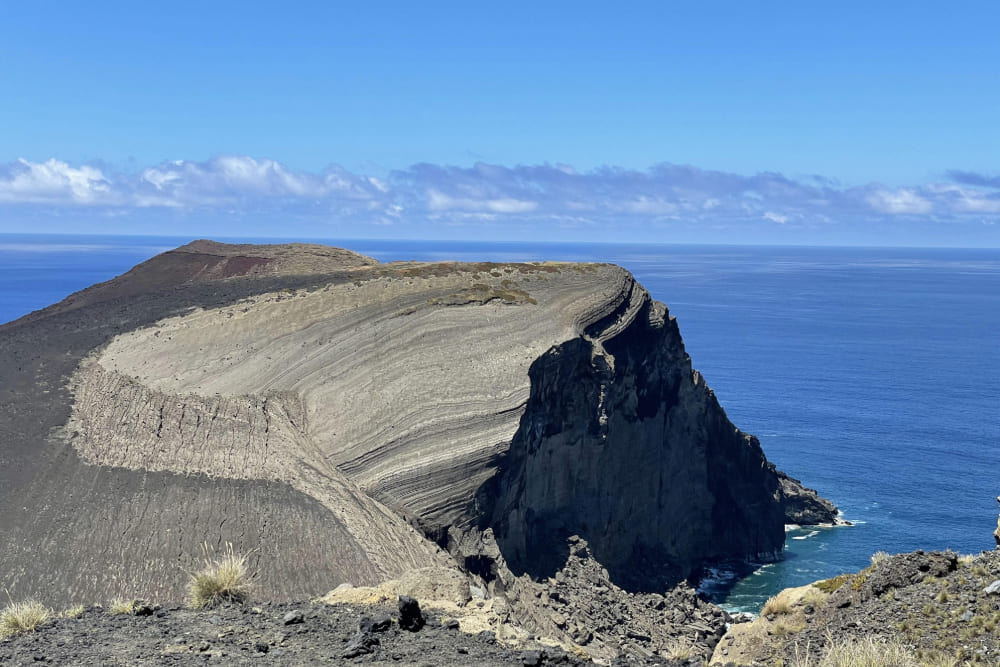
623, 444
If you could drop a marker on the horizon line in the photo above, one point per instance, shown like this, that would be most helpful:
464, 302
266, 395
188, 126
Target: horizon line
369, 239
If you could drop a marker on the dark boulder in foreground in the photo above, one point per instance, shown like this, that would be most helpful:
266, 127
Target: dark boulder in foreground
410, 616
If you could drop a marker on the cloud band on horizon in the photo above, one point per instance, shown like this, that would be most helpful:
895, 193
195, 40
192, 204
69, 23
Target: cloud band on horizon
557, 195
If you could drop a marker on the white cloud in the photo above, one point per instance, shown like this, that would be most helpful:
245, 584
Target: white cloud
545, 194
974, 204
510, 205
53, 182
379, 185
968, 199
160, 178
235, 179
650, 206
438, 201
901, 201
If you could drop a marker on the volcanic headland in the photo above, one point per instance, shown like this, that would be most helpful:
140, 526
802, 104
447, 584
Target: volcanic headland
531, 435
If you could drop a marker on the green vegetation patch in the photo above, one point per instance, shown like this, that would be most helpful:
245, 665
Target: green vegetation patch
831, 585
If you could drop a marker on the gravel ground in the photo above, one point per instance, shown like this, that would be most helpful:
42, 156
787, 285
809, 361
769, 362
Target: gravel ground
269, 634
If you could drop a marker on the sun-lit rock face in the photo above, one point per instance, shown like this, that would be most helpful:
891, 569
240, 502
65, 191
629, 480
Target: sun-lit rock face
400, 408
409, 383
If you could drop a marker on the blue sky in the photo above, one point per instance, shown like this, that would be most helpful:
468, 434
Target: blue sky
770, 122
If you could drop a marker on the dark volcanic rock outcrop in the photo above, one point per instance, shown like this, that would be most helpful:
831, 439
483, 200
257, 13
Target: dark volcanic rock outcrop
345, 420
623, 444
803, 505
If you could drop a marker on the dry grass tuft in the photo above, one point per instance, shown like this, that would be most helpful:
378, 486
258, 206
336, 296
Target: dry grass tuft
879, 556
868, 652
783, 629
73, 612
966, 559
20, 617
123, 606
222, 579
873, 652
814, 596
776, 606
680, 652
940, 660
980, 571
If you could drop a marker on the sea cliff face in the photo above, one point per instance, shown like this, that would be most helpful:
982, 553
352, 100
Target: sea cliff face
349, 421
623, 444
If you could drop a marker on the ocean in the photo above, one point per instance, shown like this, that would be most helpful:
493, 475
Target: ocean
873, 375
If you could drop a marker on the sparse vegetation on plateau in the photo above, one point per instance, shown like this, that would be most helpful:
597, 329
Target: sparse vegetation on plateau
19, 617
222, 579
482, 293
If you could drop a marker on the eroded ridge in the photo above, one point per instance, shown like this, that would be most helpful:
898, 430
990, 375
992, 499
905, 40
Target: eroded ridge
387, 382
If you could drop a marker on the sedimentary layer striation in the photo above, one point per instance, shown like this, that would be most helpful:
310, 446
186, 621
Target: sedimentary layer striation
345, 420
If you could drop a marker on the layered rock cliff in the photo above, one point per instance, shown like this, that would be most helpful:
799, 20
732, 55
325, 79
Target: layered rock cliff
352, 421
622, 443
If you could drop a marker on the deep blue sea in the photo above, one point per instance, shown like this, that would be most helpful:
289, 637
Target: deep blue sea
871, 374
